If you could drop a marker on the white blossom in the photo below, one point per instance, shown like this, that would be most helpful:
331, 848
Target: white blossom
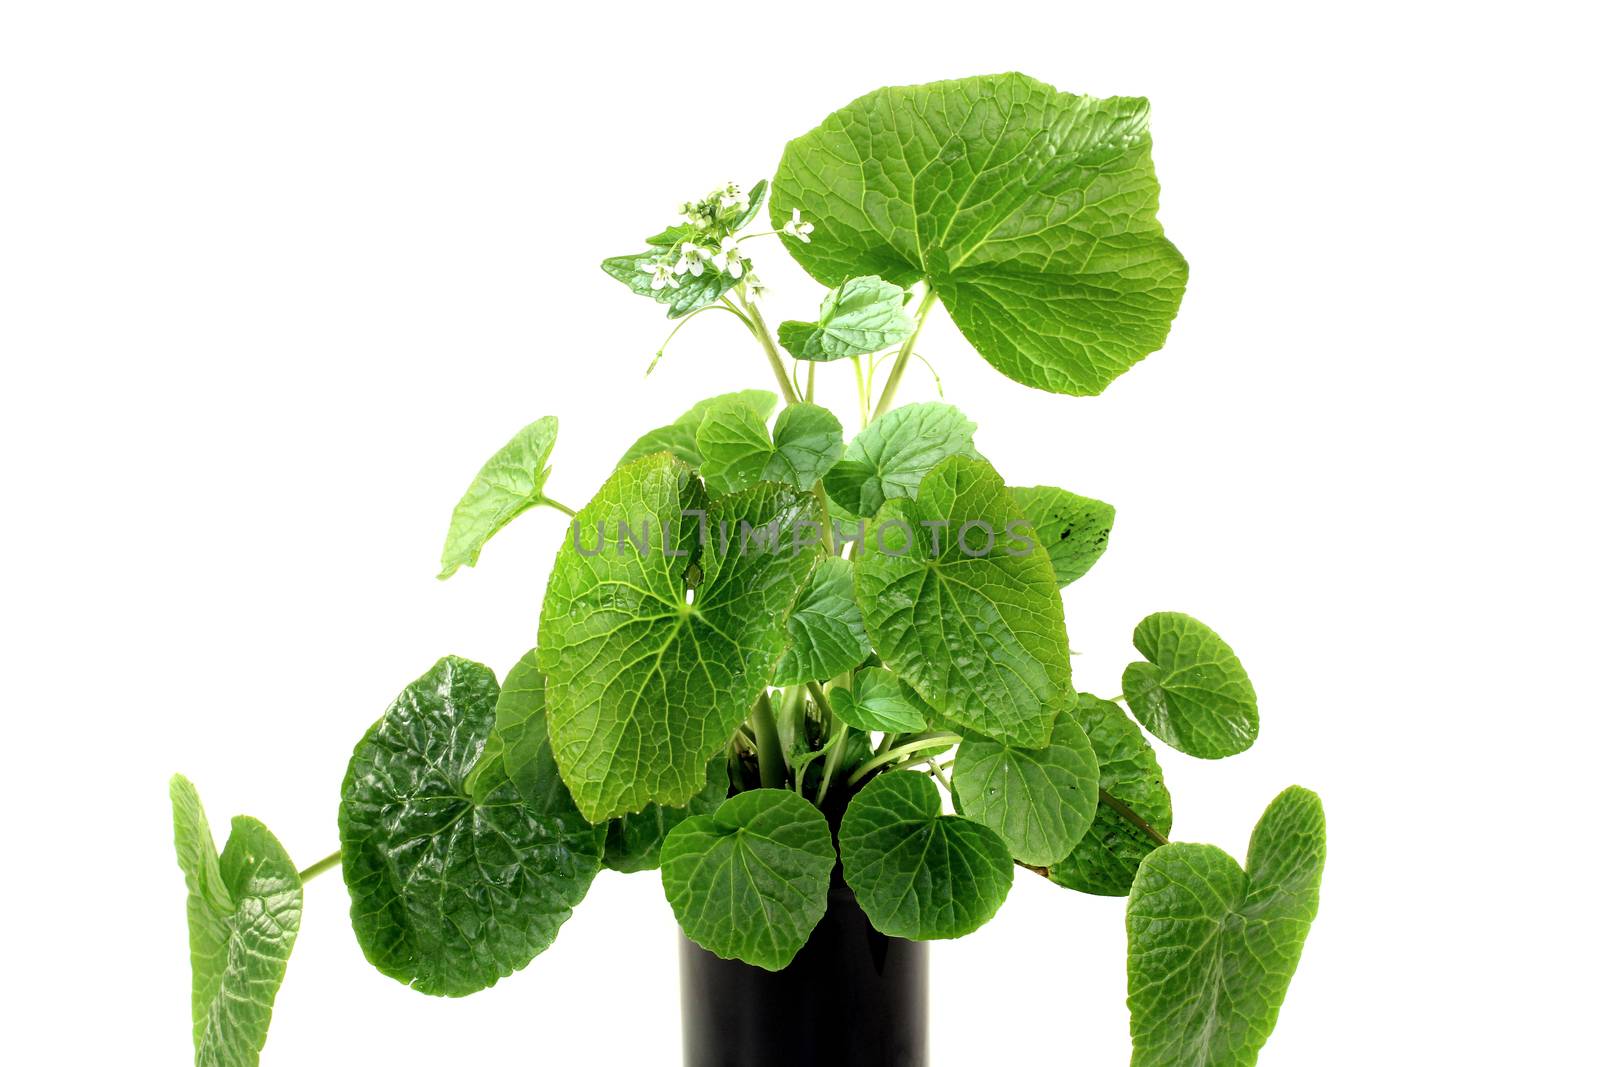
661, 274
691, 259
731, 196
798, 228
729, 260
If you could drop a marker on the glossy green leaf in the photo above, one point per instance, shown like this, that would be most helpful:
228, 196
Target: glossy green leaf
244, 913
878, 702
633, 842
1032, 213
449, 893
678, 437
734, 446
1073, 529
917, 873
750, 882
517, 741
683, 294
806, 441
1193, 693
862, 316
825, 632
1211, 948
1107, 858
975, 627
509, 484
651, 659
888, 459
1040, 801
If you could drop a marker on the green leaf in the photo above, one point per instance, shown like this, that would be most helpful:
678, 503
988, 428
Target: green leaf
690, 293
1040, 801
1074, 529
751, 881
758, 194
1107, 858
678, 437
646, 680
244, 913
917, 873
1211, 948
449, 893
980, 637
878, 702
737, 451
518, 740
862, 316
806, 442
889, 459
633, 842
1032, 213
1193, 694
825, 631
509, 484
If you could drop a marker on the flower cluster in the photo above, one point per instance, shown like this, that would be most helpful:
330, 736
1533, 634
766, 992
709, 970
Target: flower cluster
708, 238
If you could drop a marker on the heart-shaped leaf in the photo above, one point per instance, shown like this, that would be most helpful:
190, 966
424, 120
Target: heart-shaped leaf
449, 892
750, 882
652, 657
1040, 801
917, 873
889, 458
509, 484
878, 702
963, 610
862, 316
1211, 948
678, 437
633, 842
1032, 213
244, 913
826, 634
1073, 529
1194, 693
1107, 858
737, 452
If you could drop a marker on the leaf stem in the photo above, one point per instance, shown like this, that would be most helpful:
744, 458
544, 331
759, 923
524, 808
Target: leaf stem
937, 770
830, 762
758, 329
325, 863
769, 750
1128, 813
934, 741
559, 506
861, 392
896, 372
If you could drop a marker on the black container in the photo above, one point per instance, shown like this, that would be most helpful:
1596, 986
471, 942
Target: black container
851, 998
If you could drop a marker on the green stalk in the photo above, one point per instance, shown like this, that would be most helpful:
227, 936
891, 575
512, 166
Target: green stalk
325, 863
558, 505
769, 750
758, 329
1128, 813
935, 741
896, 372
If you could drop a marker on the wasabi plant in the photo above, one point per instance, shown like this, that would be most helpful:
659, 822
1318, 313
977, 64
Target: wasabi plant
766, 648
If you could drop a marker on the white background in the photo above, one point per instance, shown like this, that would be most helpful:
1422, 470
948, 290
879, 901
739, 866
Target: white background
275, 279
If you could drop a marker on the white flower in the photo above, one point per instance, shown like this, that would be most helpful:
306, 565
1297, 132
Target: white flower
753, 284
730, 260
798, 228
731, 196
691, 259
661, 275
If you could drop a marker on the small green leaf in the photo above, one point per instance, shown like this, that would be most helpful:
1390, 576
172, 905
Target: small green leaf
1194, 693
878, 702
1211, 948
1107, 858
683, 294
806, 441
651, 659
974, 625
244, 914
633, 842
826, 634
888, 459
1073, 529
1040, 801
509, 484
734, 445
1031, 213
449, 893
678, 437
916, 873
518, 738
862, 316
751, 881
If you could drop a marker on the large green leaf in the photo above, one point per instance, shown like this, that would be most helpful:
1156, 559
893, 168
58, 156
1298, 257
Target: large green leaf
1194, 693
862, 316
450, 892
826, 634
244, 913
878, 702
1107, 858
1040, 801
889, 458
1073, 529
750, 882
737, 452
975, 627
633, 842
651, 660
509, 484
806, 441
678, 436
1211, 948
1032, 213
915, 872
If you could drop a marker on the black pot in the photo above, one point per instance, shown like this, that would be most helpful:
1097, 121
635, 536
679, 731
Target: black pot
851, 998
